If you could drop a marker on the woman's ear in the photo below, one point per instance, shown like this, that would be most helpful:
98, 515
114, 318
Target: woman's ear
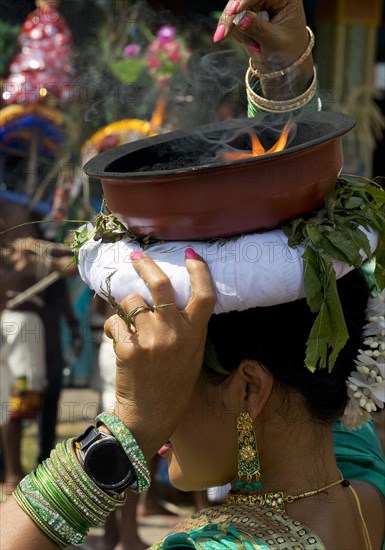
256, 384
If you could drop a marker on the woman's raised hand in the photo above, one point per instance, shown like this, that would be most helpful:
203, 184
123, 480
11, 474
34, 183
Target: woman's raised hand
271, 44
159, 359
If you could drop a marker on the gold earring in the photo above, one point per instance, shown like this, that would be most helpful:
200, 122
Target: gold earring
248, 460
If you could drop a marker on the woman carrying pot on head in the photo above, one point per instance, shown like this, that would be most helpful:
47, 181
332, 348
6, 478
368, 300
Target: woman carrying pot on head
227, 397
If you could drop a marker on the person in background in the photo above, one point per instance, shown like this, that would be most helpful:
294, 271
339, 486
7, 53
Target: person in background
57, 309
25, 260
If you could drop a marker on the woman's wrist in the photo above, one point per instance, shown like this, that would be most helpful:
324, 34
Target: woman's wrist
66, 495
291, 85
258, 103
142, 431
284, 76
62, 500
131, 448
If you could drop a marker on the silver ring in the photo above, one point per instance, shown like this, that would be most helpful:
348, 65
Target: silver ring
129, 320
164, 305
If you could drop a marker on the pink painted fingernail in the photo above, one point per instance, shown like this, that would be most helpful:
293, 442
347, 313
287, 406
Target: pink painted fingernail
233, 7
190, 254
219, 33
255, 47
136, 256
245, 23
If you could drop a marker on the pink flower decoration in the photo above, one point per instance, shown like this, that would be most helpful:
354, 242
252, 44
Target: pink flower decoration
131, 50
153, 63
154, 46
175, 57
166, 33
171, 46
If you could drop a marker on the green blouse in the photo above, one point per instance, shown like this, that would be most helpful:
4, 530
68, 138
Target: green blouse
246, 527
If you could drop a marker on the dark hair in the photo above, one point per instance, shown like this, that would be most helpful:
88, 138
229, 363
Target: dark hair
276, 337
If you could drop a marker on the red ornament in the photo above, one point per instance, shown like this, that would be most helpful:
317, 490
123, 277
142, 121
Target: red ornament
43, 66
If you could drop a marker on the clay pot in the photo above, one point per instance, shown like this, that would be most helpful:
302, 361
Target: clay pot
211, 198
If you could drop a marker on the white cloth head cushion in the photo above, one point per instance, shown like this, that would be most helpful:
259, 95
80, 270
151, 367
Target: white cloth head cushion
254, 270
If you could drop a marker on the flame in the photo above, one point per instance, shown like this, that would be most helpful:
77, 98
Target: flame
158, 114
258, 149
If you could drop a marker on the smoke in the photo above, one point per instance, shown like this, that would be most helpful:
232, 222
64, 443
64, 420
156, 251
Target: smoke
212, 90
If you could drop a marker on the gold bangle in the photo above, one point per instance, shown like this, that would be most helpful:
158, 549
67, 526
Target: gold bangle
271, 106
282, 72
269, 103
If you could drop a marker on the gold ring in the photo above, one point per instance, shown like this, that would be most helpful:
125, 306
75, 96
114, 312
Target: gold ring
129, 320
164, 305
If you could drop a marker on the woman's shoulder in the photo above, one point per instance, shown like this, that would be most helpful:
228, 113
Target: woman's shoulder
240, 526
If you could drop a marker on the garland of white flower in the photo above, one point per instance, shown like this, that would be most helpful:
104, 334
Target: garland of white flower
366, 384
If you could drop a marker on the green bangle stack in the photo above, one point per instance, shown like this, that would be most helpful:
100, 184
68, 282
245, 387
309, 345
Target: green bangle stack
130, 447
44, 516
62, 500
313, 103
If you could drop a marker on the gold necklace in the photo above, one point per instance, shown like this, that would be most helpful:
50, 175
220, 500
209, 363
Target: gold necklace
277, 500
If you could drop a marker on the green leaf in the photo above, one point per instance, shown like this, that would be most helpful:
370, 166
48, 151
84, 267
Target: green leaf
317, 343
359, 239
353, 182
330, 243
127, 70
329, 333
353, 202
333, 233
379, 272
330, 205
80, 237
314, 234
377, 193
312, 279
343, 248
374, 219
295, 232
338, 332
210, 359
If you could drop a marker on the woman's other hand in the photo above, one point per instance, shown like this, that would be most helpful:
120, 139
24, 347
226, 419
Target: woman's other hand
272, 44
159, 364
